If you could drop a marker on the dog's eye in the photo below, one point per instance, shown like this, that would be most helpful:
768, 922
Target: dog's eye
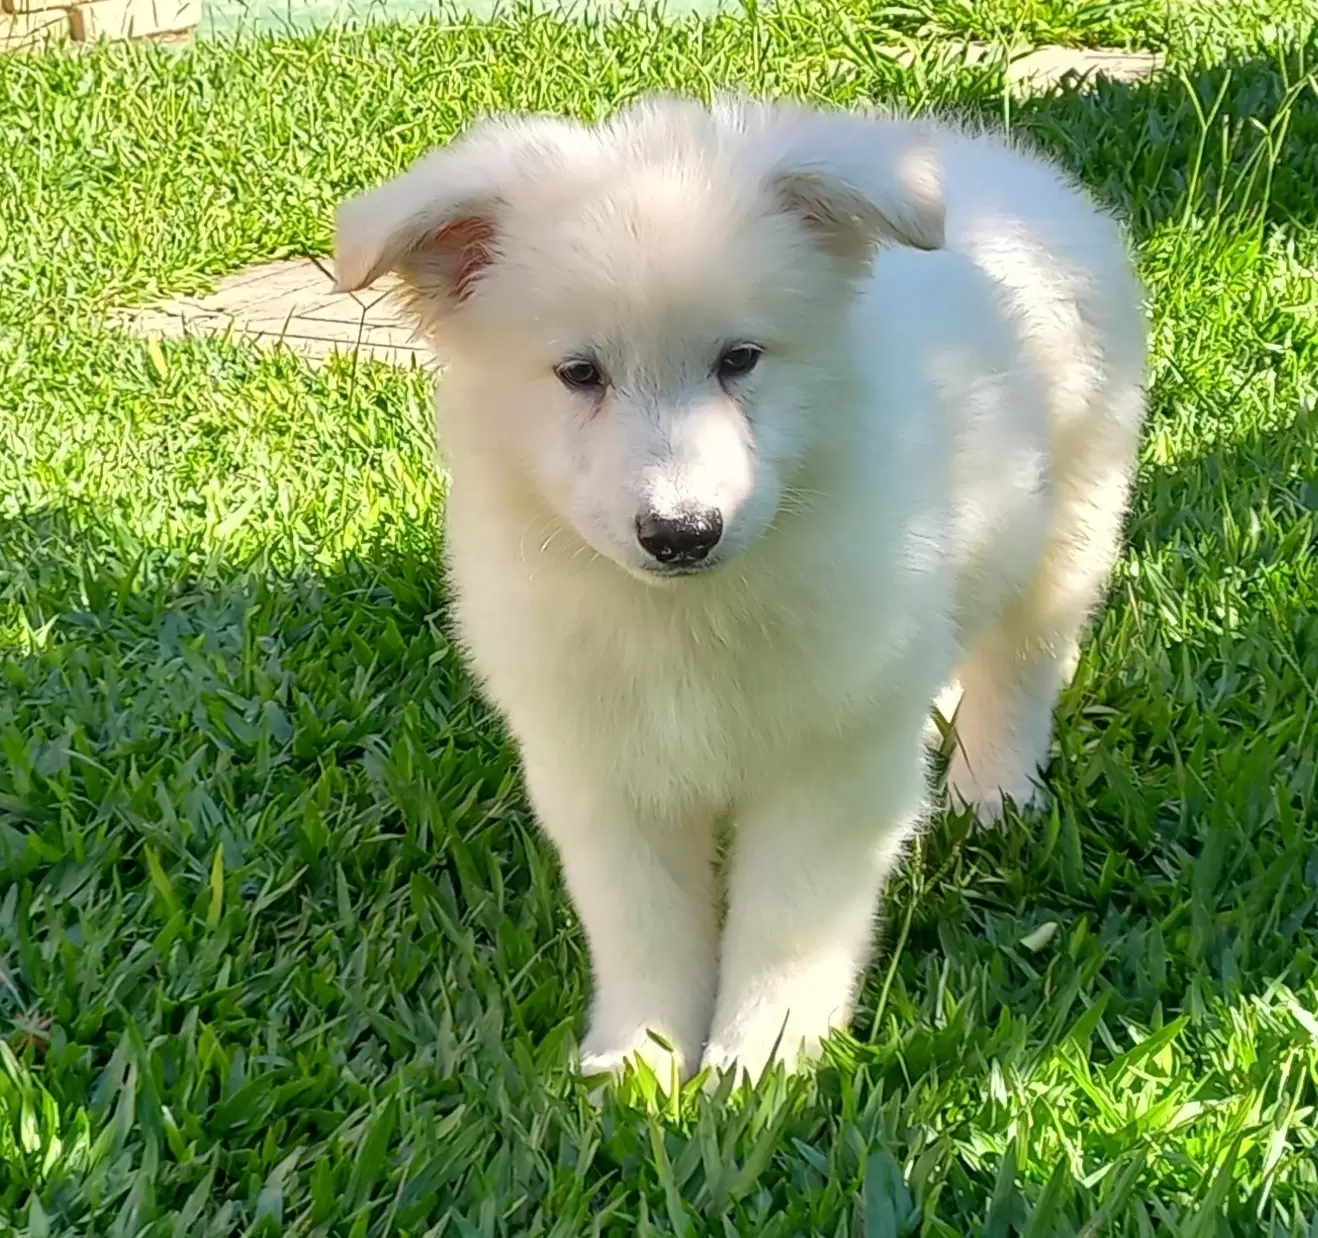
580, 375
738, 361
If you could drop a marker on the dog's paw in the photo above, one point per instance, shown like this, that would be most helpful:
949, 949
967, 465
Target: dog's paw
758, 1044
987, 795
608, 1055
751, 1061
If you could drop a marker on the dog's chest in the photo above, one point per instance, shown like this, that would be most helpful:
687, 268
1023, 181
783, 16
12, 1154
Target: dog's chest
693, 704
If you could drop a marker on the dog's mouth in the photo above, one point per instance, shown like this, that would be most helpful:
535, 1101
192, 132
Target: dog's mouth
665, 571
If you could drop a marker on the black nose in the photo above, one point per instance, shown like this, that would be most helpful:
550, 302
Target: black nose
686, 537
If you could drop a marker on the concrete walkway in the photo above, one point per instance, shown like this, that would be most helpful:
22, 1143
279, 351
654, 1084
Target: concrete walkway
292, 305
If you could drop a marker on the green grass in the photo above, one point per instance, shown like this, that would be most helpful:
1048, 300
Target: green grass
279, 949
1090, 23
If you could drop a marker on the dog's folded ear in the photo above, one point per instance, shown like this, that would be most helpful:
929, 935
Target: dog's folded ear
858, 182
855, 182
437, 225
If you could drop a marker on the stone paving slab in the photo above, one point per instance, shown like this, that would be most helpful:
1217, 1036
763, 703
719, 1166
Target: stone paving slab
292, 304
1052, 66
1035, 71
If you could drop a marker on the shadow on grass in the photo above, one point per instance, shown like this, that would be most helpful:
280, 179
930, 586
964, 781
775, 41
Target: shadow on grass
261, 839
1234, 139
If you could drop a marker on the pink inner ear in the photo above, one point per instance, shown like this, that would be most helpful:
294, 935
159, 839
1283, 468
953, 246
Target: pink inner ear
467, 241
834, 223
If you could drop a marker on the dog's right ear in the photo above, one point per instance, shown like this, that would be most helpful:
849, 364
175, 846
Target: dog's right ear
437, 225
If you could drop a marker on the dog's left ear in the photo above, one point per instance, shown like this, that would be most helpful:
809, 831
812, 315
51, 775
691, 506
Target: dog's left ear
858, 183
437, 225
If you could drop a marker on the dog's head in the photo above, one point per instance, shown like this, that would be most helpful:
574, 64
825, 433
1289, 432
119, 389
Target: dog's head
647, 319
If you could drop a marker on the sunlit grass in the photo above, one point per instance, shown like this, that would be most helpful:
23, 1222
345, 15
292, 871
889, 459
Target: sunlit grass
279, 949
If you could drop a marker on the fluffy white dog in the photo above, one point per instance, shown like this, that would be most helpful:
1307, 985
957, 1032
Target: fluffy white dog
764, 425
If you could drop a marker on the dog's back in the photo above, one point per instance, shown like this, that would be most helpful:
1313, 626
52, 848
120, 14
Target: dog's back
1063, 285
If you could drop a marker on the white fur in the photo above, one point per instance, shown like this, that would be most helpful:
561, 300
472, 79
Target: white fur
922, 485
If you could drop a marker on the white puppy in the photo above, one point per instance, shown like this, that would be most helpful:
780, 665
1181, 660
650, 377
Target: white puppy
763, 426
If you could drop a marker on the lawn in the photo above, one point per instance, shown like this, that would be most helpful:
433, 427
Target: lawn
280, 952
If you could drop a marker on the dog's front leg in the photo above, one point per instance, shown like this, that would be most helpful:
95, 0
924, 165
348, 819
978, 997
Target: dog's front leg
813, 848
642, 886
